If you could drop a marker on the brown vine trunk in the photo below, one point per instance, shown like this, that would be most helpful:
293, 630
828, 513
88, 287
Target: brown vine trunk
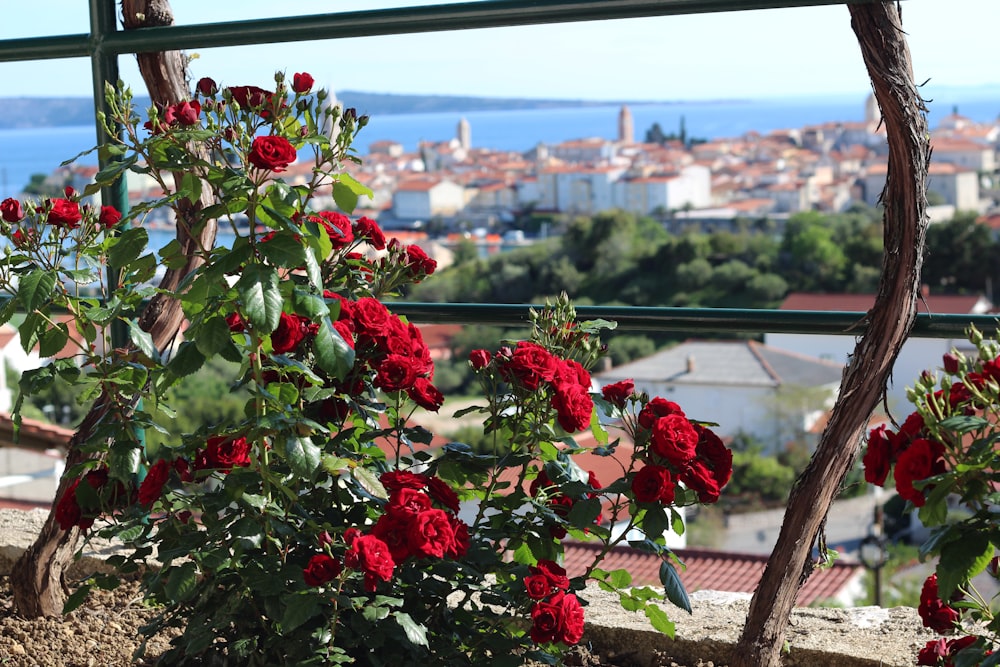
883, 45
37, 576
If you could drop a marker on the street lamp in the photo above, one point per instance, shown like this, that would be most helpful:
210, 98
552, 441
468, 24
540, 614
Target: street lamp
874, 555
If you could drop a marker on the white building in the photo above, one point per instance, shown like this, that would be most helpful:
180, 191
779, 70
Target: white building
691, 188
420, 199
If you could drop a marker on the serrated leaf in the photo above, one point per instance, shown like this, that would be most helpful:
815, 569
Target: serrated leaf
415, 632
213, 335
190, 186
53, 340
620, 578
673, 587
658, 619
655, 522
369, 482
130, 534
298, 610
303, 456
124, 461
8, 306
284, 250
181, 582
35, 289
142, 340
260, 296
333, 354
346, 198
961, 561
129, 245
188, 360
76, 599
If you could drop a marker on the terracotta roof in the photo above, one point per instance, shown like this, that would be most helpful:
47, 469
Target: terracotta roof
35, 435
945, 304
707, 569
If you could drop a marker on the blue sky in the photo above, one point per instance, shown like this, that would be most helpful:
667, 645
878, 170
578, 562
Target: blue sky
766, 53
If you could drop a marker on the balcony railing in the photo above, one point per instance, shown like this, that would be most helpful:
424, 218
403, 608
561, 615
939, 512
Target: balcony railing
104, 42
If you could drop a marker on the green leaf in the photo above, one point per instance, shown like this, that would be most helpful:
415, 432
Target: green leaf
142, 340
213, 336
303, 456
188, 360
124, 460
961, 561
284, 250
673, 586
76, 599
658, 619
620, 578
30, 329
369, 482
182, 582
298, 610
655, 522
8, 306
415, 632
333, 354
35, 289
53, 340
260, 296
130, 534
129, 245
190, 186
346, 198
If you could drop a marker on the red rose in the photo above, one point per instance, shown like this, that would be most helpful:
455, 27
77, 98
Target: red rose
206, 87
250, 96
656, 408
337, 227
711, 468
554, 573
67, 509
395, 373
223, 453
22, 238
653, 484
431, 534
567, 371
616, 394
152, 486
367, 229
479, 358
537, 587
392, 529
951, 363
344, 329
674, 439
878, 456
235, 323
408, 501
302, 82
10, 210
934, 612
370, 316
460, 544
271, 153
187, 113
529, 365
573, 407
109, 217
571, 627
321, 569
291, 331
546, 617
426, 395
419, 263
370, 555
922, 459
64, 213
394, 480
442, 493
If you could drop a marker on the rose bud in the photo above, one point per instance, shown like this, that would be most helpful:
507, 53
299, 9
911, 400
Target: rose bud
951, 363
302, 82
10, 210
206, 86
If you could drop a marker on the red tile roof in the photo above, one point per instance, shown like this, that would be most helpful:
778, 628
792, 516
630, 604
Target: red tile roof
706, 569
35, 435
933, 303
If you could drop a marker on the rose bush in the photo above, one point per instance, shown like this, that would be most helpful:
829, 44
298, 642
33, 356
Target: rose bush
325, 527
944, 460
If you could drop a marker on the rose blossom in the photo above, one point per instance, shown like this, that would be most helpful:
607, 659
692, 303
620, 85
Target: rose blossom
10, 210
223, 453
934, 612
206, 86
537, 586
573, 407
442, 493
109, 217
653, 484
674, 439
656, 408
321, 569
337, 227
426, 395
271, 153
395, 373
370, 555
711, 468
922, 459
152, 486
529, 365
367, 229
419, 263
430, 534
878, 456
302, 82
250, 96
395, 480
554, 573
370, 316
291, 331
64, 213
479, 358
616, 394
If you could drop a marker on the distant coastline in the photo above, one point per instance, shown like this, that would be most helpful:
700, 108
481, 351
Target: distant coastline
39, 112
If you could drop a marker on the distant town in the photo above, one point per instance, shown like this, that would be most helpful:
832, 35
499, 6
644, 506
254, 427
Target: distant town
456, 188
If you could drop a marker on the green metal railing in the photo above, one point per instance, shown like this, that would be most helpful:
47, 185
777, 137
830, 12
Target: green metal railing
104, 43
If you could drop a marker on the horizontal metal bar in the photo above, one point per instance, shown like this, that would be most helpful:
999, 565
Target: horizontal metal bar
405, 20
698, 320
